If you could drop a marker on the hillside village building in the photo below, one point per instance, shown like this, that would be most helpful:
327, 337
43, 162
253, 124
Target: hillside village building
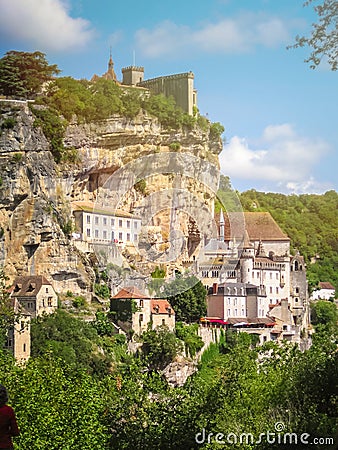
134, 311
251, 277
31, 297
325, 291
35, 294
180, 86
96, 225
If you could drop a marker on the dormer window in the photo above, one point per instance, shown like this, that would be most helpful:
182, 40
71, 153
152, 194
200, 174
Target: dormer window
18, 287
31, 287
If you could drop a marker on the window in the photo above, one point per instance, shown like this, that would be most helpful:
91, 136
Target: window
270, 275
270, 289
104, 234
88, 219
229, 312
112, 235
22, 325
235, 301
141, 303
297, 290
163, 321
96, 233
257, 275
128, 223
236, 312
141, 317
243, 314
112, 222
229, 300
120, 223
105, 221
277, 290
120, 236
128, 237
88, 232
96, 220
135, 237
46, 290
135, 225
8, 342
50, 301
24, 348
276, 275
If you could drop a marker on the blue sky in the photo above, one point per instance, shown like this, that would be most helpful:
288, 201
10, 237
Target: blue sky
279, 115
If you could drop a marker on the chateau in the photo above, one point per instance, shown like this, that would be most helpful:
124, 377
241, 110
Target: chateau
180, 86
251, 278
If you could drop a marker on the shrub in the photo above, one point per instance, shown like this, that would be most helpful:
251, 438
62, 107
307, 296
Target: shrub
141, 186
175, 146
17, 157
8, 123
216, 130
78, 301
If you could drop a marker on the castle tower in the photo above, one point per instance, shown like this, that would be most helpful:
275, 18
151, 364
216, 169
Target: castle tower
132, 75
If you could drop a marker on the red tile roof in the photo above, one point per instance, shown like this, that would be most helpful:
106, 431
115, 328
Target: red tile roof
130, 292
160, 306
257, 225
325, 285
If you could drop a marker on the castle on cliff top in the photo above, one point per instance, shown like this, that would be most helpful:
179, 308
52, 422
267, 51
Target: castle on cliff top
180, 86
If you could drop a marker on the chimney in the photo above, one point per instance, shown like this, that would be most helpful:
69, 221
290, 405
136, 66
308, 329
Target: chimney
214, 288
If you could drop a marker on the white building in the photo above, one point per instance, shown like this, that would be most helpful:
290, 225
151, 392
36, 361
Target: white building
101, 225
325, 291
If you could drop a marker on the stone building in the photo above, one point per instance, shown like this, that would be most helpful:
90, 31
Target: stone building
35, 294
251, 276
134, 311
18, 340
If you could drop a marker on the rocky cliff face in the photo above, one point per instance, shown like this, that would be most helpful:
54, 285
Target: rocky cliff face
35, 192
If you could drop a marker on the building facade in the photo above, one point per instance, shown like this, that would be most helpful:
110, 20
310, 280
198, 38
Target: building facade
35, 294
100, 225
134, 311
249, 273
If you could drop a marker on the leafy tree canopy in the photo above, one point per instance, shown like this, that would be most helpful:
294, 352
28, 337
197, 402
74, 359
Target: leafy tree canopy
324, 36
22, 74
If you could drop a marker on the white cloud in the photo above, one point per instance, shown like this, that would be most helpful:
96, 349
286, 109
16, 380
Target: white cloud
285, 159
44, 24
238, 34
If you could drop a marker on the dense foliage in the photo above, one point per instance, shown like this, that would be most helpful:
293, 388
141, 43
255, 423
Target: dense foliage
22, 74
74, 341
238, 389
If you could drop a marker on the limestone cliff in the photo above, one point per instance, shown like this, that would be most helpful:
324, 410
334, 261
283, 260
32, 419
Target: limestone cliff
35, 192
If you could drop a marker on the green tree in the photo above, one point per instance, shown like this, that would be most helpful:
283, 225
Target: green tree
7, 313
22, 74
324, 313
160, 346
324, 36
187, 296
71, 339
